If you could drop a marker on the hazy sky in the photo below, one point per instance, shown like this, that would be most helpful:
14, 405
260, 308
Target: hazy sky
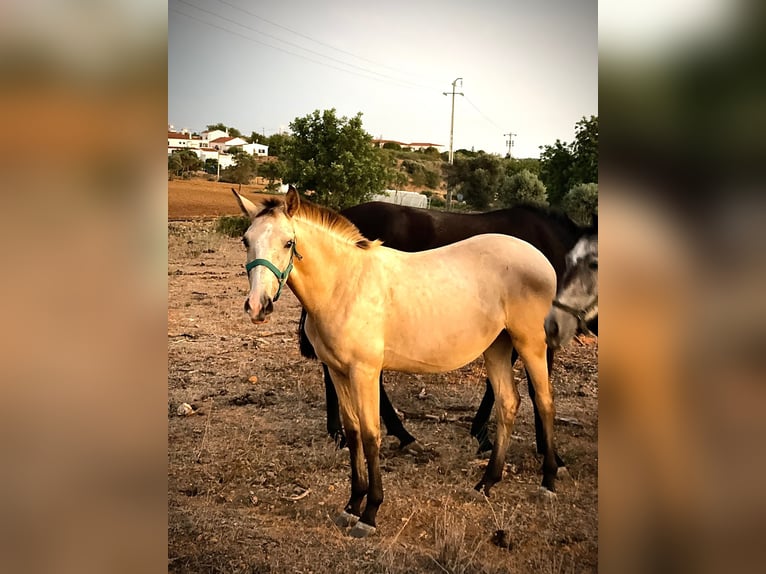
528, 66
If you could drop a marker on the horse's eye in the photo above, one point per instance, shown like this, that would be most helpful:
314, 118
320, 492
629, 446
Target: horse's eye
593, 265
289, 244
244, 242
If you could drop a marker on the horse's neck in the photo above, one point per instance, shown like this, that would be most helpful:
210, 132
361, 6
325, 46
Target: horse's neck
327, 263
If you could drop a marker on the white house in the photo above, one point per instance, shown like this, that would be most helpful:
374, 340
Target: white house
225, 142
184, 139
212, 144
256, 149
214, 134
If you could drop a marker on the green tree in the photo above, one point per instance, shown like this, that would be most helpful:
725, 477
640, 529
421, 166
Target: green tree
433, 179
182, 162
276, 143
335, 158
563, 165
255, 137
211, 165
271, 170
585, 150
392, 146
477, 178
581, 203
212, 127
244, 169
556, 165
522, 187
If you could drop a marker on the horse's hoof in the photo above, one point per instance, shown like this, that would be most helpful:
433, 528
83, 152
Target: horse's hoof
345, 519
546, 494
502, 539
484, 450
475, 494
413, 447
361, 530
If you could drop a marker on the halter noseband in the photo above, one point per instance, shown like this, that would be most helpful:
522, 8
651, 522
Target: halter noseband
280, 275
578, 314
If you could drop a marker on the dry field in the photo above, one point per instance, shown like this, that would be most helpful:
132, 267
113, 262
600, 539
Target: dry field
254, 482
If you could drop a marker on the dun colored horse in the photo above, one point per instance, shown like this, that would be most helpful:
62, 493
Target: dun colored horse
371, 308
412, 229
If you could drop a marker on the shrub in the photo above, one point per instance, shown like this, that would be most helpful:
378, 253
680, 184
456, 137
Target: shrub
437, 201
232, 225
581, 203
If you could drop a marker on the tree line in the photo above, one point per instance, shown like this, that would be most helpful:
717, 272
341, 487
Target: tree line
333, 158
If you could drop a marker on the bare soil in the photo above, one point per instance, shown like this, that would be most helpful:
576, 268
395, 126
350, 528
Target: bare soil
254, 482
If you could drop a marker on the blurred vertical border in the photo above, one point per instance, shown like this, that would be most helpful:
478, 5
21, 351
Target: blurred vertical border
682, 111
83, 415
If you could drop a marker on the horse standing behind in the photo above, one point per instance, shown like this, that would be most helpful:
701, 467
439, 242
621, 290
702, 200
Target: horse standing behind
413, 229
498, 291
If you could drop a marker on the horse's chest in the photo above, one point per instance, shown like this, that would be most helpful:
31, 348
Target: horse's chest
342, 344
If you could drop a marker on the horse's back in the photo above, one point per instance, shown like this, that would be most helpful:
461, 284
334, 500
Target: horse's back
397, 226
460, 297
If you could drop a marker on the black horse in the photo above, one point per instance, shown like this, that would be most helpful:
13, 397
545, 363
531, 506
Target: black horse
413, 229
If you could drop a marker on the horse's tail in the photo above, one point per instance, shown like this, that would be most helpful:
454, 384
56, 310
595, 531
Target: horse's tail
307, 349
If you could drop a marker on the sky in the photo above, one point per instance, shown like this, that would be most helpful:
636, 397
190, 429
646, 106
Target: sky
528, 67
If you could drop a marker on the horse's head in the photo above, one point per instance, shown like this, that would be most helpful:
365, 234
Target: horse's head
270, 244
576, 301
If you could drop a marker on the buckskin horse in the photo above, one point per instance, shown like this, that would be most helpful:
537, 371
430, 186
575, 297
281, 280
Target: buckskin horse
367, 311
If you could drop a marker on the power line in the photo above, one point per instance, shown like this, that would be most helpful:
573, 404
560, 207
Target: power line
297, 33
400, 82
482, 114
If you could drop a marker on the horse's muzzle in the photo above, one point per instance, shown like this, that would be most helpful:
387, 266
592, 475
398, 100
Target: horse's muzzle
263, 310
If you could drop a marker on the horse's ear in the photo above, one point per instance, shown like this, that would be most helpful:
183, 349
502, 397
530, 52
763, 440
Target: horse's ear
292, 201
247, 206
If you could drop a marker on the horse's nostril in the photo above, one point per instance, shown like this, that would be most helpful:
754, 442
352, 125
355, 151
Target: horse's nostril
268, 307
247, 305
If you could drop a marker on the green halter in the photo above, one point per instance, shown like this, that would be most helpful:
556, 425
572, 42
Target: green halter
280, 275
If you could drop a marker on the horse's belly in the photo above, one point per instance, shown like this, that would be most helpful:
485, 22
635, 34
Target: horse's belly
437, 352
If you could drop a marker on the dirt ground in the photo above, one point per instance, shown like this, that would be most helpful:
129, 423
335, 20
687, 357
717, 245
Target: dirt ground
254, 482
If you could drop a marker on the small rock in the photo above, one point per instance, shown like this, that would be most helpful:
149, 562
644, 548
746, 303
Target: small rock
253, 379
184, 410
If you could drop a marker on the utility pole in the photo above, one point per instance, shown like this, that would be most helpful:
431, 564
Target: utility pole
510, 142
452, 129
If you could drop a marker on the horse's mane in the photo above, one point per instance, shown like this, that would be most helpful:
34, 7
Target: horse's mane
324, 217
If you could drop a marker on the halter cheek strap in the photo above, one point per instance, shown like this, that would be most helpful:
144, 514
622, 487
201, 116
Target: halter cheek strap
280, 275
578, 314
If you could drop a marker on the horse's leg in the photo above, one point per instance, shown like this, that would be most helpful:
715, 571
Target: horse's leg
392, 421
334, 428
353, 508
500, 373
532, 350
539, 437
364, 391
479, 428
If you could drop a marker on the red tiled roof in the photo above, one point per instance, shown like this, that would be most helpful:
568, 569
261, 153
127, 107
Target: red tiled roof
222, 139
182, 136
424, 144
